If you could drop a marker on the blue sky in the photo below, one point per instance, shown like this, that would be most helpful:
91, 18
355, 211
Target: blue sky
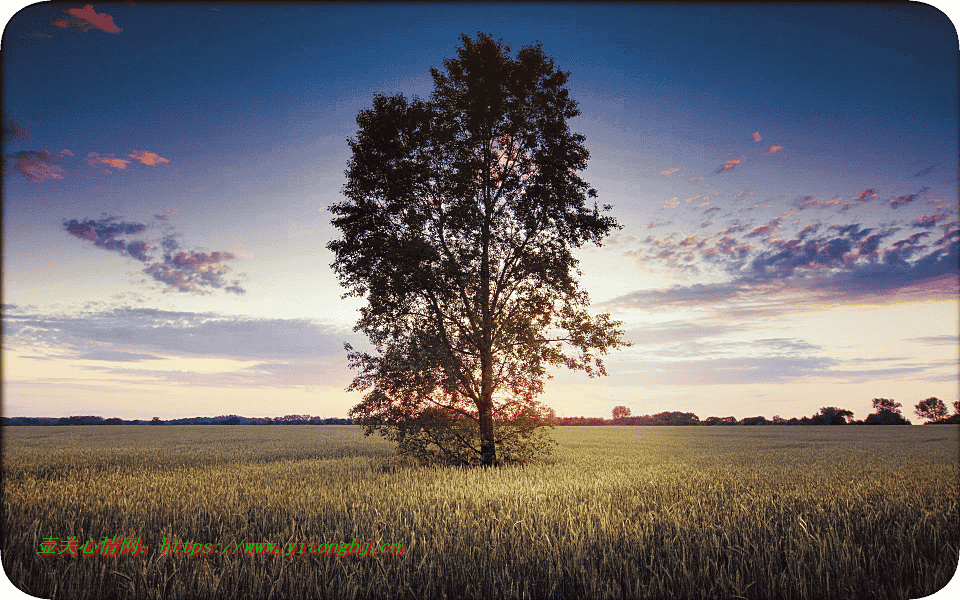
786, 177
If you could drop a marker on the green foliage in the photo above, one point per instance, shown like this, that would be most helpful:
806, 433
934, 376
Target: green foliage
461, 216
441, 436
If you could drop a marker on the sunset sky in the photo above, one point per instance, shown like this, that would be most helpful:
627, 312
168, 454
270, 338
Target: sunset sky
786, 178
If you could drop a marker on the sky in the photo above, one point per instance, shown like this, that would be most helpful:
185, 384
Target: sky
786, 178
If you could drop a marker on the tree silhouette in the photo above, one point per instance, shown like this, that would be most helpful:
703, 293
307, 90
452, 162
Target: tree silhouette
461, 216
831, 415
932, 409
620, 412
888, 413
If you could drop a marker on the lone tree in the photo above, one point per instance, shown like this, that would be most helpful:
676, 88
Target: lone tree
932, 409
461, 216
620, 412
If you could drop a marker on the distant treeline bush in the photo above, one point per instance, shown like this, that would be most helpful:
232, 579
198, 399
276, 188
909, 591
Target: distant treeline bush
827, 416
221, 420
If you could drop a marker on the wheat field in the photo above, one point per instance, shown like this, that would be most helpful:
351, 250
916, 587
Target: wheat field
618, 512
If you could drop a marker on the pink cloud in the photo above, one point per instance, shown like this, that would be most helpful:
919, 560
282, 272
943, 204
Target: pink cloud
106, 162
672, 203
774, 149
148, 158
757, 137
730, 164
37, 165
87, 18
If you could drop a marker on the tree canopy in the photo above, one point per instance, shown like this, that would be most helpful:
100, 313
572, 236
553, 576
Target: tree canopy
932, 409
461, 216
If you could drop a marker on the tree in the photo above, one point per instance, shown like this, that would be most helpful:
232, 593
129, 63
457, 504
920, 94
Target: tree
886, 405
888, 413
831, 415
461, 216
620, 412
932, 409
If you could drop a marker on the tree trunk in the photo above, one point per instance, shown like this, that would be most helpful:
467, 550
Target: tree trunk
488, 449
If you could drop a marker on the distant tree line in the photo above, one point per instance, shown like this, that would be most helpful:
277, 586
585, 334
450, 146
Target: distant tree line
221, 420
887, 412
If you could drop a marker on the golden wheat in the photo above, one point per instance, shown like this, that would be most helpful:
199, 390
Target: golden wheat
619, 512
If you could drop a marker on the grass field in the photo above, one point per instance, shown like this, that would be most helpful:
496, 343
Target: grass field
619, 512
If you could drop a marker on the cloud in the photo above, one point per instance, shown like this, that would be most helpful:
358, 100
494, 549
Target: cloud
114, 356
193, 272
87, 18
929, 221
671, 203
774, 225
103, 233
934, 340
13, 131
147, 158
37, 166
128, 333
187, 271
774, 149
757, 137
104, 163
678, 295
836, 264
926, 171
730, 164
804, 202
670, 171
905, 199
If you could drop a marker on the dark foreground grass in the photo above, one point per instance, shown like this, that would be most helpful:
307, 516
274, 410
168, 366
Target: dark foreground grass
642, 512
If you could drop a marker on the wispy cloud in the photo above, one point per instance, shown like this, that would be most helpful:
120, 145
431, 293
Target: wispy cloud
128, 333
934, 340
148, 158
87, 18
670, 171
757, 137
774, 149
730, 164
103, 163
